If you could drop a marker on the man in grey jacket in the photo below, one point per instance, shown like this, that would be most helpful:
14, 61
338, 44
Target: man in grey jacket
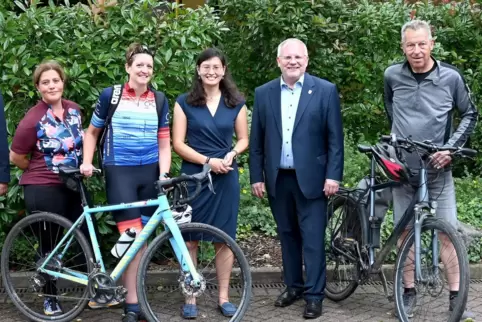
421, 96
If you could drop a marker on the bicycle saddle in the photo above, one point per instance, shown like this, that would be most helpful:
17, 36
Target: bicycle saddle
70, 171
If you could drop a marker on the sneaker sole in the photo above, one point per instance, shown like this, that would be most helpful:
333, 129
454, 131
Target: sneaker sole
111, 306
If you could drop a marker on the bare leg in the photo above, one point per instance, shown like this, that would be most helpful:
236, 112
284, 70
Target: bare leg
192, 248
409, 268
450, 261
224, 266
129, 277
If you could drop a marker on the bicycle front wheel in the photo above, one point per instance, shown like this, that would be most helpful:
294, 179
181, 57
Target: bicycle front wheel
26, 248
225, 276
444, 268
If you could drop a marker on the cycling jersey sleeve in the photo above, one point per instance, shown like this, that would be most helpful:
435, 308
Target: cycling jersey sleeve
25, 137
163, 132
101, 108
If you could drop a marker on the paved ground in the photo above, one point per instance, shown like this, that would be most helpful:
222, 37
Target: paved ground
366, 304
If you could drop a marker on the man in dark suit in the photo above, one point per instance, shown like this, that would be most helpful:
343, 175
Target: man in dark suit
4, 153
296, 150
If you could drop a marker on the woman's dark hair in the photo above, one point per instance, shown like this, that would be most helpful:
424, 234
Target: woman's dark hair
197, 96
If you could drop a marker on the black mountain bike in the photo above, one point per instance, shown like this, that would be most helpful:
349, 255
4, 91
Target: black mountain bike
354, 232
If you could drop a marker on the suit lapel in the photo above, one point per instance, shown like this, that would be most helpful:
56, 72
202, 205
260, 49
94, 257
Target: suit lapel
307, 93
276, 105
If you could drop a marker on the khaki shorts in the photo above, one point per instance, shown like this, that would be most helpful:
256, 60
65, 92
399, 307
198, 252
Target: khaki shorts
440, 188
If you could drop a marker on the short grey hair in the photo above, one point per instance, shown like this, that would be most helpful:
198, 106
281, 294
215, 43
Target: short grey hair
416, 25
285, 42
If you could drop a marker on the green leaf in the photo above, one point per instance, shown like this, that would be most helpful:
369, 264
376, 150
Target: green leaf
21, 49
20, 5
168, 55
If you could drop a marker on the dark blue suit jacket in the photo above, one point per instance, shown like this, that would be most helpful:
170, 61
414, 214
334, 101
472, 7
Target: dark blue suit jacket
317, 136
4, 152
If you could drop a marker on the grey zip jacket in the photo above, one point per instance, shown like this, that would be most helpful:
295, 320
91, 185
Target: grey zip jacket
425, 111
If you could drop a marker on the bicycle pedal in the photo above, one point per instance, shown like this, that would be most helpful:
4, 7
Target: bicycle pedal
348, 241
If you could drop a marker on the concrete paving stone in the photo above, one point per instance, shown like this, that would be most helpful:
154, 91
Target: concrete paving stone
364, 305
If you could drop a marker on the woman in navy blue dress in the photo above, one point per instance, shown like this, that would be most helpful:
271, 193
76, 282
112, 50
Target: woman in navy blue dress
208, 116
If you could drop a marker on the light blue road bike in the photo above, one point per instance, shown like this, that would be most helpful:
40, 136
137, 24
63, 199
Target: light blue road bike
74, 270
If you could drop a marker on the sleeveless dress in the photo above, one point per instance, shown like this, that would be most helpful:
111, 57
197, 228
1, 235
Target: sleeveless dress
212, 136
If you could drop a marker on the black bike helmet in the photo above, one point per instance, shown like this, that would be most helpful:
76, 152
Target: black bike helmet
389, 163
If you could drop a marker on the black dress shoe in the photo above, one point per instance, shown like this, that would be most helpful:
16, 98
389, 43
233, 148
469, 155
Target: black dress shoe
288, 297
313, 309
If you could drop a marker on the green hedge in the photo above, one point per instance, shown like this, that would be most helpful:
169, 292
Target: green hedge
350, 43
93, 53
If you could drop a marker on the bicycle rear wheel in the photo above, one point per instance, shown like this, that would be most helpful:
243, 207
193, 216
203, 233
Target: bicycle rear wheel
341, 239
163, 287
25, 250
431, 302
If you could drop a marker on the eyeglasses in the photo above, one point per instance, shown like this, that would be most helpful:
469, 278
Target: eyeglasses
207, 68
142, 50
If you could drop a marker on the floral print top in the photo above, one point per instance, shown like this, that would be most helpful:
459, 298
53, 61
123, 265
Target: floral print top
50, 141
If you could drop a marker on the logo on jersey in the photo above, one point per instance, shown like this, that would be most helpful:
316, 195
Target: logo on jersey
116, 94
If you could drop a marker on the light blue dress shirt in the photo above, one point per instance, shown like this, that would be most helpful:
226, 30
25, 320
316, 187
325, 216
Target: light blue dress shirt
289, 105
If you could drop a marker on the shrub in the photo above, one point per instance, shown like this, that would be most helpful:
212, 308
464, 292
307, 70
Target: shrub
92, 52
350, 43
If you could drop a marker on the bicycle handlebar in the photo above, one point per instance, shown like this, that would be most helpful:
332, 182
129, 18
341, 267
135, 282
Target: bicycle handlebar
198, 178
430, 147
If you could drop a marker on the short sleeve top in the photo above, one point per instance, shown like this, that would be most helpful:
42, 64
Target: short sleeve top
50, 141
132, 138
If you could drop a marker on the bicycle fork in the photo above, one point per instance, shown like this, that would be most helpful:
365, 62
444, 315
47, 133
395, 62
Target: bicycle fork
420, 215
181, 251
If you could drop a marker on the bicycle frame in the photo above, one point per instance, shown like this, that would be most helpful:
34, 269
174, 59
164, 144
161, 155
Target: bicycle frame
420, 202
162, 213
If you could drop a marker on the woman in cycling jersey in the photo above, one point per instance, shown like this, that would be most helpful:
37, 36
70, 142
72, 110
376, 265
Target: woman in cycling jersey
137, 152
50, 135
208, 116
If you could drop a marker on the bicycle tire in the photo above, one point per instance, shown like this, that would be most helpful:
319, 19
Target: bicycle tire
186, 228
337, 202
442, 226
7, 282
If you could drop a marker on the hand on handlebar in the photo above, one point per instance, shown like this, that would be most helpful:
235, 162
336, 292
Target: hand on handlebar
87, 169
440, 159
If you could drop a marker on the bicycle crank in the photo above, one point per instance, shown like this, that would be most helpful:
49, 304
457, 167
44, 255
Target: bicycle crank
102, 288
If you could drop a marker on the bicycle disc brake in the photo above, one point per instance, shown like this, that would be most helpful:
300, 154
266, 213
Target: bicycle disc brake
187, 286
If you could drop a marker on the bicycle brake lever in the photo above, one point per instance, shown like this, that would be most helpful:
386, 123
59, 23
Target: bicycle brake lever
210, 183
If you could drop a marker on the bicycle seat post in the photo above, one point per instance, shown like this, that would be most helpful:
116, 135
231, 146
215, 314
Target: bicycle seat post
83, 196
371, 217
